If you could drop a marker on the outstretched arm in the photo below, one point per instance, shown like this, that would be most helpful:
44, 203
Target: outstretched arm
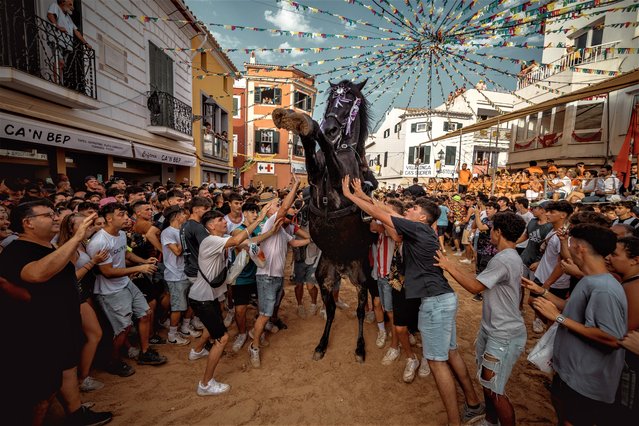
366, 205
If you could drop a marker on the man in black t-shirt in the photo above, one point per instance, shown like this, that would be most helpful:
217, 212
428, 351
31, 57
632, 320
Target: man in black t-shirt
416, 190
32, 370
438, 307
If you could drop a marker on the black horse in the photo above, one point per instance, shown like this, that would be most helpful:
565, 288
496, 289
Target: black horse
335, 223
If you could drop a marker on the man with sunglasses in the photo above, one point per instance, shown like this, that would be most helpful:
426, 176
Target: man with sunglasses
32, 369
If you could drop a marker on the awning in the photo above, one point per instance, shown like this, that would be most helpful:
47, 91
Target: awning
616, 83
147, 153
28, 130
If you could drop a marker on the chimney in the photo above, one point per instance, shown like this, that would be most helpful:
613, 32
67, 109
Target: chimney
252, 58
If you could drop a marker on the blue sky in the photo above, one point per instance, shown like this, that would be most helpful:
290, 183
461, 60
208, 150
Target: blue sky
393, 83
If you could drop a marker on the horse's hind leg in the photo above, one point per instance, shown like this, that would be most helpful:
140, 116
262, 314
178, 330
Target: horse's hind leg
326, 276
360, 350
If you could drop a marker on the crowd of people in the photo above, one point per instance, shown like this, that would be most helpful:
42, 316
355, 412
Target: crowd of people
128, 268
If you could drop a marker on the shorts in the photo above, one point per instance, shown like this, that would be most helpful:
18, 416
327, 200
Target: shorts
437, 324
385, 294
405, 311
243, 293
372, 287
576, 408
179, 294
457, 234
465, 237
268, 292
441, 230
303, 273
210, 313
505, 351
462, 189
151, 289
121, 306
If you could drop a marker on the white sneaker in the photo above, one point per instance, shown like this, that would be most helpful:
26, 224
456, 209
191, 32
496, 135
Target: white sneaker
230, 317
90, 384
538, 326
458, 253
189, 330
465, 261
263, 341
301, 312
193, 355
177, 339
381, 339
197, 324
254, 354
312, 310
424, 368
392, 354
323, 313
133, 352
411, 339
212, 388
369, 317
240, 339
412, 364
341, 305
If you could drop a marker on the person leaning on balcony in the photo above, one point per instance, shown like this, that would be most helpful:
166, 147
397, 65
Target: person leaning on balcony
59, 14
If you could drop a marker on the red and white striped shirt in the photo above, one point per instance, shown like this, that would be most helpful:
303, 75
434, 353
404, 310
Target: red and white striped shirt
383, 254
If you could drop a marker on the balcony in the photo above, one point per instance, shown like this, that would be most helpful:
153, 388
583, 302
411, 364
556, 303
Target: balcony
39, 59
215, 147
170, 117
580, 57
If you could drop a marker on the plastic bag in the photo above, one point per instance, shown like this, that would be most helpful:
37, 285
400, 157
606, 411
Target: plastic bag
541, 354
257, 255
241, 260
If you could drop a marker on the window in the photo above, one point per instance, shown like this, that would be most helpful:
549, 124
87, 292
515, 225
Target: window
450, 126
581, 41
237, 104
589, 116
520, 132
451, 154
424, 126
421, 152
386, 133
268, 95
531, 127
298, 148
560, 115
398, 127
267, 141
597, 35
235, 139
302, 101
160, 70
546, 118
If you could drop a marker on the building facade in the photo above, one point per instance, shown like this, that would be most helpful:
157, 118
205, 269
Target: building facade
118, 107
213, 76
272, 154
580, 51
239, 130
400, 149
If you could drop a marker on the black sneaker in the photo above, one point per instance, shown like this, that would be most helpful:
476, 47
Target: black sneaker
478, 297
157, 340
120, 368
151, 357
84, 416
280, 324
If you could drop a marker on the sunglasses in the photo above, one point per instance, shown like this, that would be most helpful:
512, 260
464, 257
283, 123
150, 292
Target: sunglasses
289, 216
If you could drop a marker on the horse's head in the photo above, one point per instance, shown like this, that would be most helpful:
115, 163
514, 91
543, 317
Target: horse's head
346, 116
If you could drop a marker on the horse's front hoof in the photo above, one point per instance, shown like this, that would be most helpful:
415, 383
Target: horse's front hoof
298, 123
278, 114
318, 354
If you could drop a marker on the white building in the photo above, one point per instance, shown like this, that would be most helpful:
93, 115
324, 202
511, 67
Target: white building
403, 137
581, 51
120, 107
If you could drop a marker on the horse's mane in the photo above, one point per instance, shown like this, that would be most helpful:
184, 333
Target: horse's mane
363, 114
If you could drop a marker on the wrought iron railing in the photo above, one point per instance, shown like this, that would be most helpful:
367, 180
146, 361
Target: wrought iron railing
167, 111
33, 45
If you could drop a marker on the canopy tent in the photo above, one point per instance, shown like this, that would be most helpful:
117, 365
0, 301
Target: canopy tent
616, 83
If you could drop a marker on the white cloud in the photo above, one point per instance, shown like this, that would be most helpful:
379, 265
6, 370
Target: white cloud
534, 39
226, 41
350, 26
289, 19
277, 57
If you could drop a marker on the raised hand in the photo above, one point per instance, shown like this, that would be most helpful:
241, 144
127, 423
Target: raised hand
532, 286
442, 261
346, 190
83, 229
100, 256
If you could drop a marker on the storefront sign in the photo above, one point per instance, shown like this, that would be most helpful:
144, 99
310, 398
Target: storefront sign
266, 168
27, 130
299, 168
147, 153
429, 170
32, 155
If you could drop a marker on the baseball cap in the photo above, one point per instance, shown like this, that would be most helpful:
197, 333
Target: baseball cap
542, 204
88, 178
107, 200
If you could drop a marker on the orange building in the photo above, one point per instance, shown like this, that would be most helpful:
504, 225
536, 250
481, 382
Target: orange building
271, 154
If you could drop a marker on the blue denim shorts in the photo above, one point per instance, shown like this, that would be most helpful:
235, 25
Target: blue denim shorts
178, 290
505, 353
120, 307
303, 273
437, 324
268, 291
385, 294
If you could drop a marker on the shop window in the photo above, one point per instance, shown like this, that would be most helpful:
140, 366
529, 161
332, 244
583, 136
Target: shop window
267, 141
450, 126
302, 101
451, 155
424, 126
268, 95
588, 116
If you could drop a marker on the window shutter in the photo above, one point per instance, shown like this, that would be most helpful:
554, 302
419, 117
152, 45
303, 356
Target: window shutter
426, 155
413, 128
277, 94
257, 93
386, 159
276, 141
411, 154
451, 153
258, 137
296, 100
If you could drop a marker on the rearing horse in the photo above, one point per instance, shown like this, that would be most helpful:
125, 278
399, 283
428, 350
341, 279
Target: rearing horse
335, 223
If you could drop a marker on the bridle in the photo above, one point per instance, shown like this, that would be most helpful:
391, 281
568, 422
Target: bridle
339, 95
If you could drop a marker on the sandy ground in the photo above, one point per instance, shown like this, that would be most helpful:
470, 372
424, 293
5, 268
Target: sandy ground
292, 389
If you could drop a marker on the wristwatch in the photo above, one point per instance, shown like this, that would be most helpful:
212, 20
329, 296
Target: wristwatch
560, 319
